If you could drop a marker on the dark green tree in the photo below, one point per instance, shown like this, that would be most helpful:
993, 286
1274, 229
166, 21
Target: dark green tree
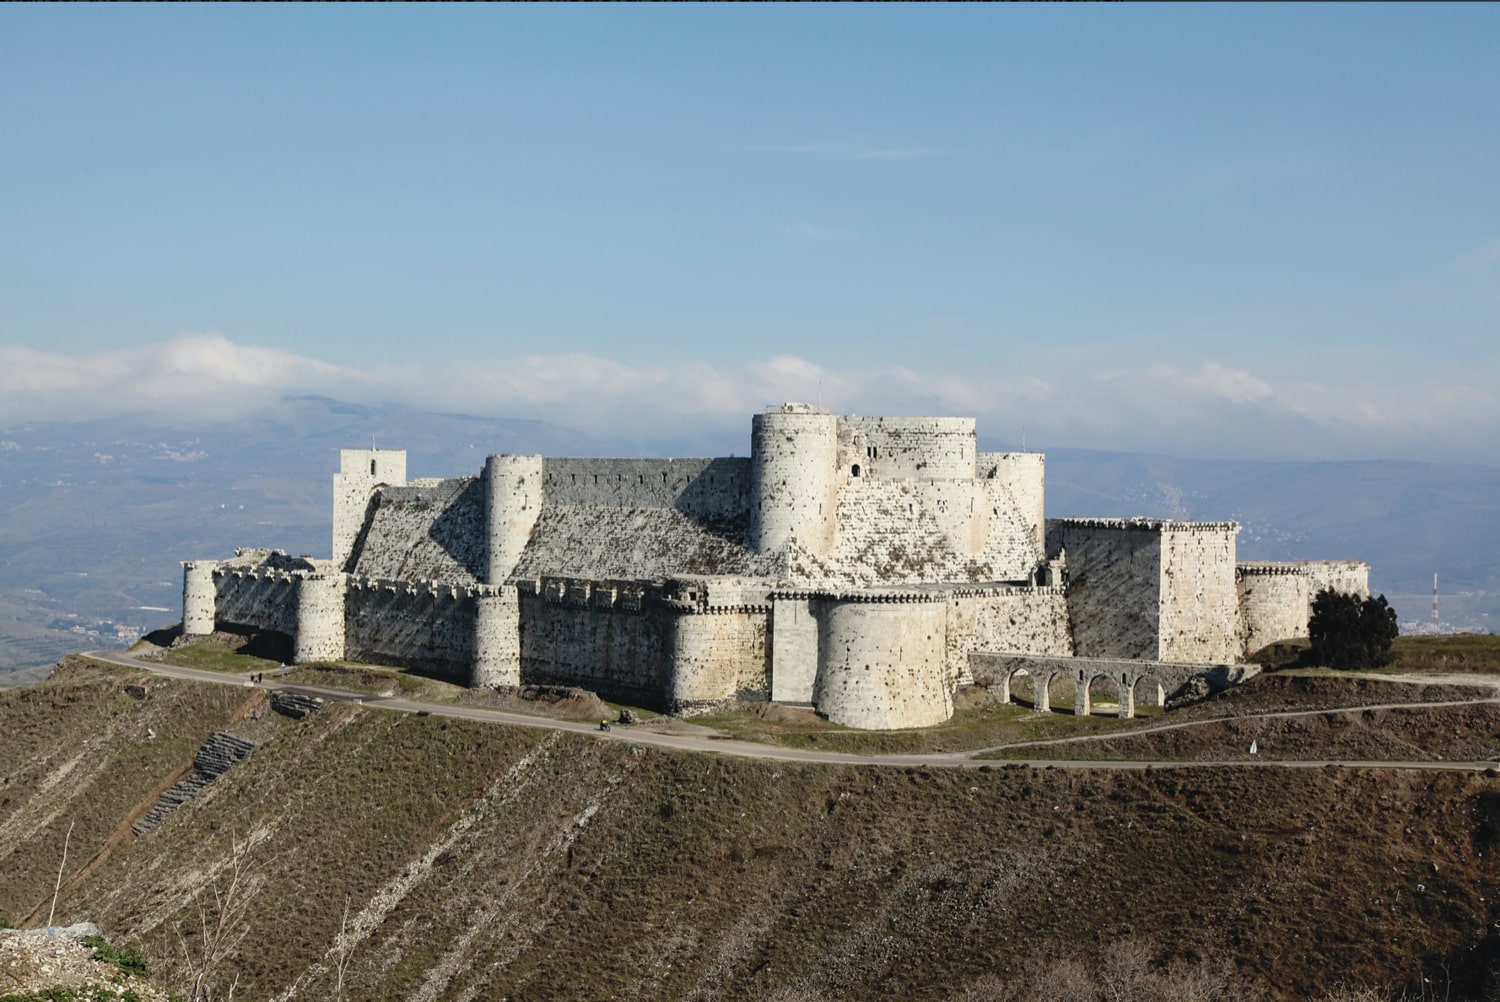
1349, 632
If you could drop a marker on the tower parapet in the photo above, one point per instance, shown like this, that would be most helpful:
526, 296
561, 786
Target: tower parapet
794, 479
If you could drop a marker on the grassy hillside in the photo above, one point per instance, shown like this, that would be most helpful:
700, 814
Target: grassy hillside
482, 862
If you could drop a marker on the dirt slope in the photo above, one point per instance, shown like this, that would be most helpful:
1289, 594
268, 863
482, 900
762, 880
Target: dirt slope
480, 862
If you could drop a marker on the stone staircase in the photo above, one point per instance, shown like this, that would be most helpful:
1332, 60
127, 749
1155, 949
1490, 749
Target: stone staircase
218, 754
294, 704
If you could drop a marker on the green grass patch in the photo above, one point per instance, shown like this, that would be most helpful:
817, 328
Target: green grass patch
124, 958
216, 657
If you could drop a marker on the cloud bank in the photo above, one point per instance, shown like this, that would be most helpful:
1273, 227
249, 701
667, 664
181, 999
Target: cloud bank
1205, 409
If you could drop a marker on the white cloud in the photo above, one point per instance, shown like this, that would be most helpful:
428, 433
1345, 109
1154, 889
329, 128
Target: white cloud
1204, 408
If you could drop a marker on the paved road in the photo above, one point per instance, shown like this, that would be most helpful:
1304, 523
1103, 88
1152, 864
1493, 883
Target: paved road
751, 749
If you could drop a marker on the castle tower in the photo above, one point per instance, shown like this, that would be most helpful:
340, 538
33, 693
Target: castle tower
513, 492
497, 638
360, 472
320, 618
794, 473
1021, 478
198, 597
880, 663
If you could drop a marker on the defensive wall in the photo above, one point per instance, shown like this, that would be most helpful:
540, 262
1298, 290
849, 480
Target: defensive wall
1275, 598
1153, 589
863, 565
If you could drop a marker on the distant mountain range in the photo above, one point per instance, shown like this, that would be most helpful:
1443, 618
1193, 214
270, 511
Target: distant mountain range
97, 515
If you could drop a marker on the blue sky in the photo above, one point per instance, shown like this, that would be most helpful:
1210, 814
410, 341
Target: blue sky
1218, 230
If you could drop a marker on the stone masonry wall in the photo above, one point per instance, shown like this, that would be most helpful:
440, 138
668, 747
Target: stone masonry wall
360, 471
259, 598
1114, 584
908, 448
909, 531
716, 657
1275, 598
430, 626
425, 531
1349, 576
1274, 601
880, 662
602, 635
635, 543
1019, 487
1023, 620
1199, 618
711, 490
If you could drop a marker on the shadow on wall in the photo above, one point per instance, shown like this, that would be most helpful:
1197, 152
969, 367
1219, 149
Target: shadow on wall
459, 529
718, 499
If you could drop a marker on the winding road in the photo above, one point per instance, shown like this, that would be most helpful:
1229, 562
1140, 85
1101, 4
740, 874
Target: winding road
944, 760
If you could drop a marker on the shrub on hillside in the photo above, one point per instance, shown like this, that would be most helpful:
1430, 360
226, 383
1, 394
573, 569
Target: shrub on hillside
1347, 632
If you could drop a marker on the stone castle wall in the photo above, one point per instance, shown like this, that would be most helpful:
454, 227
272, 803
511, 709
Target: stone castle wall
426, 626
1199, 616
601, 635
905, 448
1022, 620
1114, 585
881, 662
431, 530
1275, 598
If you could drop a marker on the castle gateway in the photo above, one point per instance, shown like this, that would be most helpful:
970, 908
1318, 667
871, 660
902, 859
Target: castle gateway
868, 566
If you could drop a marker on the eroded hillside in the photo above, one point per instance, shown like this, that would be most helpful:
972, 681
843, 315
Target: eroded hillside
484, 862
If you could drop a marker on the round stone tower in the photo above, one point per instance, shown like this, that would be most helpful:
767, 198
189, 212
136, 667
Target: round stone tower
497, 638
320, 618
794, 471
513, 492
198, 597
880, 664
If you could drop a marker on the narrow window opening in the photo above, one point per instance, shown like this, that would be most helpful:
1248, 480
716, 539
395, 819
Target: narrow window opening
855, 470
372, 467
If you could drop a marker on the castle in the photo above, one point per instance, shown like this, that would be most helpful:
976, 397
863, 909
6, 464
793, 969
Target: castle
868, 566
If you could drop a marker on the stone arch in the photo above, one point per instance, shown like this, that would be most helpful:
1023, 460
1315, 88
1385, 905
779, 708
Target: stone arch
1059, 691
1092, 687
1148, 691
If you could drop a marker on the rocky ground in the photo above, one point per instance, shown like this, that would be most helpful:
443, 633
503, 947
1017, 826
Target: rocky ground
32, 963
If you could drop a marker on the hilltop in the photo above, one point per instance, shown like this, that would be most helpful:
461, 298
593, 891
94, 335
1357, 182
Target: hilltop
483, 861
